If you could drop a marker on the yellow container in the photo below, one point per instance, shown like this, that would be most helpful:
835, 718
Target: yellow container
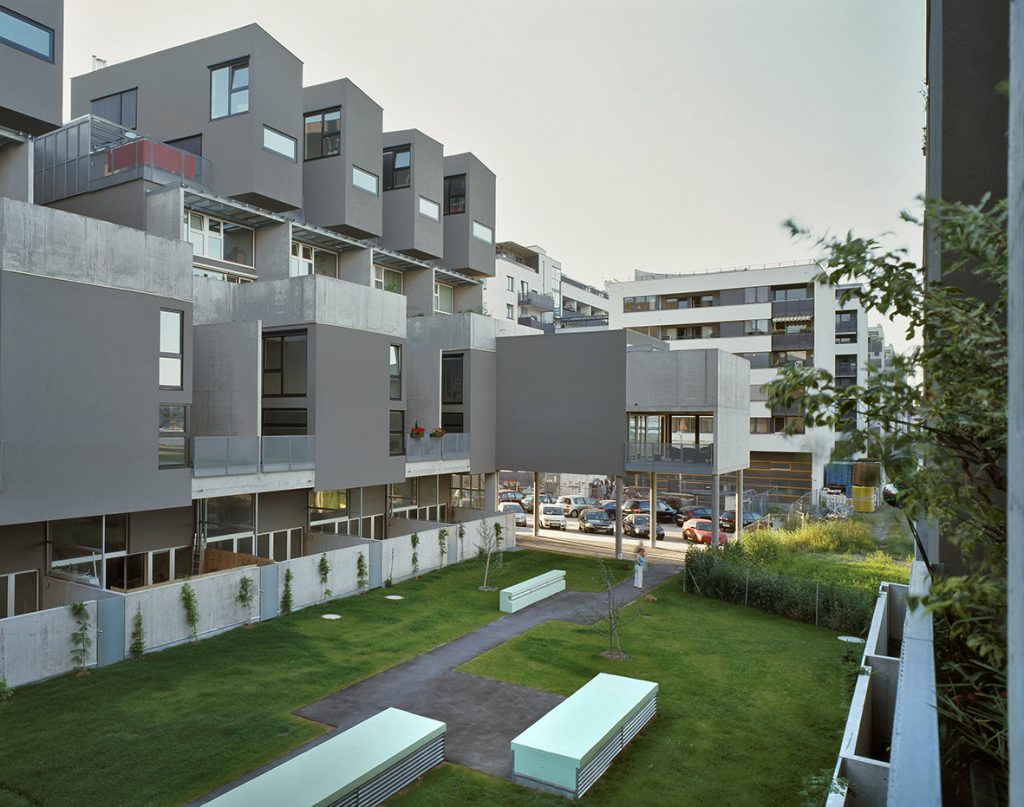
863, 499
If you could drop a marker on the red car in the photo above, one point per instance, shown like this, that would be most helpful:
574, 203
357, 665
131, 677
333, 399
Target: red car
698, 530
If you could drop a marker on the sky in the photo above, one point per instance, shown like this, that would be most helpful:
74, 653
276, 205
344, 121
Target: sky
661, 135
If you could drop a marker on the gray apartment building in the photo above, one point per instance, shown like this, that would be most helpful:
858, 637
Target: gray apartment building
233, 310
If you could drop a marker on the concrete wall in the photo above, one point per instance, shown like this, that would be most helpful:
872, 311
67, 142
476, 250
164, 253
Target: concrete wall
38, 646
174, 102
123, 204
306, 586
405, 230
79, 365
543, 384
461, 250
33, 102
227, 374
163, 615
330, 198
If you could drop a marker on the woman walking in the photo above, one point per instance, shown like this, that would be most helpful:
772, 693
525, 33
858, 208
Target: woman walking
638, 566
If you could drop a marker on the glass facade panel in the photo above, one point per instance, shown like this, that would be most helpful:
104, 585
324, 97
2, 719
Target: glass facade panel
396, 433
322, 133
226, 515
161, 566
170, 373
430, 209
364, 180
170, 331
397, 167
26, 593
395, 372
26, 35
482, 232
279, 143
444, 298
325, 263
451, 378
455, 194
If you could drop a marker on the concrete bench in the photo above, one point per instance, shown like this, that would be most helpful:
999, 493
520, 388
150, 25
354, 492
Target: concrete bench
361, 766
568, 749
530, 591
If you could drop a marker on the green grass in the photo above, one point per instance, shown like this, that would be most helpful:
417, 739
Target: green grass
178, 723
749, 706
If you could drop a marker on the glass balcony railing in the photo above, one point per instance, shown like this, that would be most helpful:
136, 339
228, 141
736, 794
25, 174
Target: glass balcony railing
793, 341
789, 308
447, 447
534, 299
540, 325
228, 456
669, 458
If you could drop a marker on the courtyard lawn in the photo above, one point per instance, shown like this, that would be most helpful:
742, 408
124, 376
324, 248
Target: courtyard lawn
175, 724
750, 706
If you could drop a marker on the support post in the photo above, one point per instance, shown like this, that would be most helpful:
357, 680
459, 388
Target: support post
739, 505
620, 483
653, 496
536, 502
716, 480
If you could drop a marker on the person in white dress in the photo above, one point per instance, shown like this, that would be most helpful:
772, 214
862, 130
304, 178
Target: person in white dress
638, 566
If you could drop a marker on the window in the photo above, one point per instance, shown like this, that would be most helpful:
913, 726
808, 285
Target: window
758, 294
18, 593
800, 358
755, 327
328, 504
284, 364
455, 194
846, 366
451, 378
322, 131
24, 34
284, 422
388, 279
647, 303
396, 433
364, 180
757, 393
469, 490
397, 167
430, 209
710, 331
229, 89
510, 283
481, 232
172, 440
395, 372
792, 293
218, 239
279, 143
452, 422
510, 311
192, 144
444, 298
307, 260
760, 425
118, 108
846, 338
171, 348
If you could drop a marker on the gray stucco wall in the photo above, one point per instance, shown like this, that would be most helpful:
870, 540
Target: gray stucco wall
123, 204
15, 171
281, 510
544, 383
22, 547
226, 394
174, 102
330, 198
350, 417
405, 230
150, 530
32, 90
462, 251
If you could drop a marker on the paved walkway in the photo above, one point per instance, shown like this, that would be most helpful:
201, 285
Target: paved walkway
482, 715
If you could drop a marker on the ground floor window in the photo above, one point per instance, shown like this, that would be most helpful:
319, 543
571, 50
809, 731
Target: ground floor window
19, 593
280, 544
469, 491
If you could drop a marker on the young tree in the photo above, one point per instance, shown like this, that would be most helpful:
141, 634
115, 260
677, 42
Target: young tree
489, 551
612, 615
937, 421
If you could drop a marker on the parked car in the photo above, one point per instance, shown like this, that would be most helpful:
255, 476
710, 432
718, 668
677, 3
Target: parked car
596, 520
608, 505
572, 506
666, 514
542, 499
510, 496
514, 507
687, 513
698, 530
727, 521
639, 524
551, 517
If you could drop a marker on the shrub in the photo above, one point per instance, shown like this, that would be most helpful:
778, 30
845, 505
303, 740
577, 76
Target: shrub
6, 692
188, 602
850, 535
138, 646
81, 640
762, 547
286, 595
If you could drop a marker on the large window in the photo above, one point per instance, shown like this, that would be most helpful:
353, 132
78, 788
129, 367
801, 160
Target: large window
323, 133
172, 438
388, 280
453, 422
229, 89
19, 593
284, 422
451, 378
364, 180
455, 194
430, 209
395, 372
328, 504
25, 34
397, 167
757, 294
801, 358
121, 108
171, 348
481, 232
307, 260
218, 239
80, 548
444, 298
646, 303
792, 293
755, 327
469, 490
279, 143
284, 364
396, 432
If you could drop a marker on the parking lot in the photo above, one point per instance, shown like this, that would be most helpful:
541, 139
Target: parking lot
672, 547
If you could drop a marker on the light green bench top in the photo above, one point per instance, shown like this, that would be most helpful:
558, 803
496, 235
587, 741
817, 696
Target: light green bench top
325, 772
583, 722
534, 583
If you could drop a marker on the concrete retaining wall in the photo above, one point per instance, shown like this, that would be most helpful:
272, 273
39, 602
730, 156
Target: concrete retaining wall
307, 588
38, 645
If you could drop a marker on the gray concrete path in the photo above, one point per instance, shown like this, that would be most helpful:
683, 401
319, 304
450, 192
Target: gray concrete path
482, 715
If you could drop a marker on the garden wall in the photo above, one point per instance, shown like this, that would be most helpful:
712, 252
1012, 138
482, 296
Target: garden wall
307, 588
38, 645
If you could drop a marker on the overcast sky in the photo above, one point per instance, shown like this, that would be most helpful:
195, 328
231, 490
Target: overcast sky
665, 135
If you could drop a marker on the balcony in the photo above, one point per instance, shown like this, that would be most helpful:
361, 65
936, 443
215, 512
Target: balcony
793, 341
846, 326
583, 321
231, 456
436, 449
789, 308
90, 153
846, 369
669, 458
540, 325
534, 299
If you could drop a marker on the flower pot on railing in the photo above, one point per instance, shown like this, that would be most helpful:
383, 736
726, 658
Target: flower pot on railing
437, 432
416, 431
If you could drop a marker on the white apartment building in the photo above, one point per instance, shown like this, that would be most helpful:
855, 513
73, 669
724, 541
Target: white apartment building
771, 316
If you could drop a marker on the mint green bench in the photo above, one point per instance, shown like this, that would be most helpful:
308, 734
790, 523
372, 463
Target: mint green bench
361, 766
568, 749
528, 592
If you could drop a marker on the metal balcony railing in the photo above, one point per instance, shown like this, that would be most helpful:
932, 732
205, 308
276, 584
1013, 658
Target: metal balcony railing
846, 327
534, 299
228, 456
540, 325
448, 447
669, 458
789, 308
793, 341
